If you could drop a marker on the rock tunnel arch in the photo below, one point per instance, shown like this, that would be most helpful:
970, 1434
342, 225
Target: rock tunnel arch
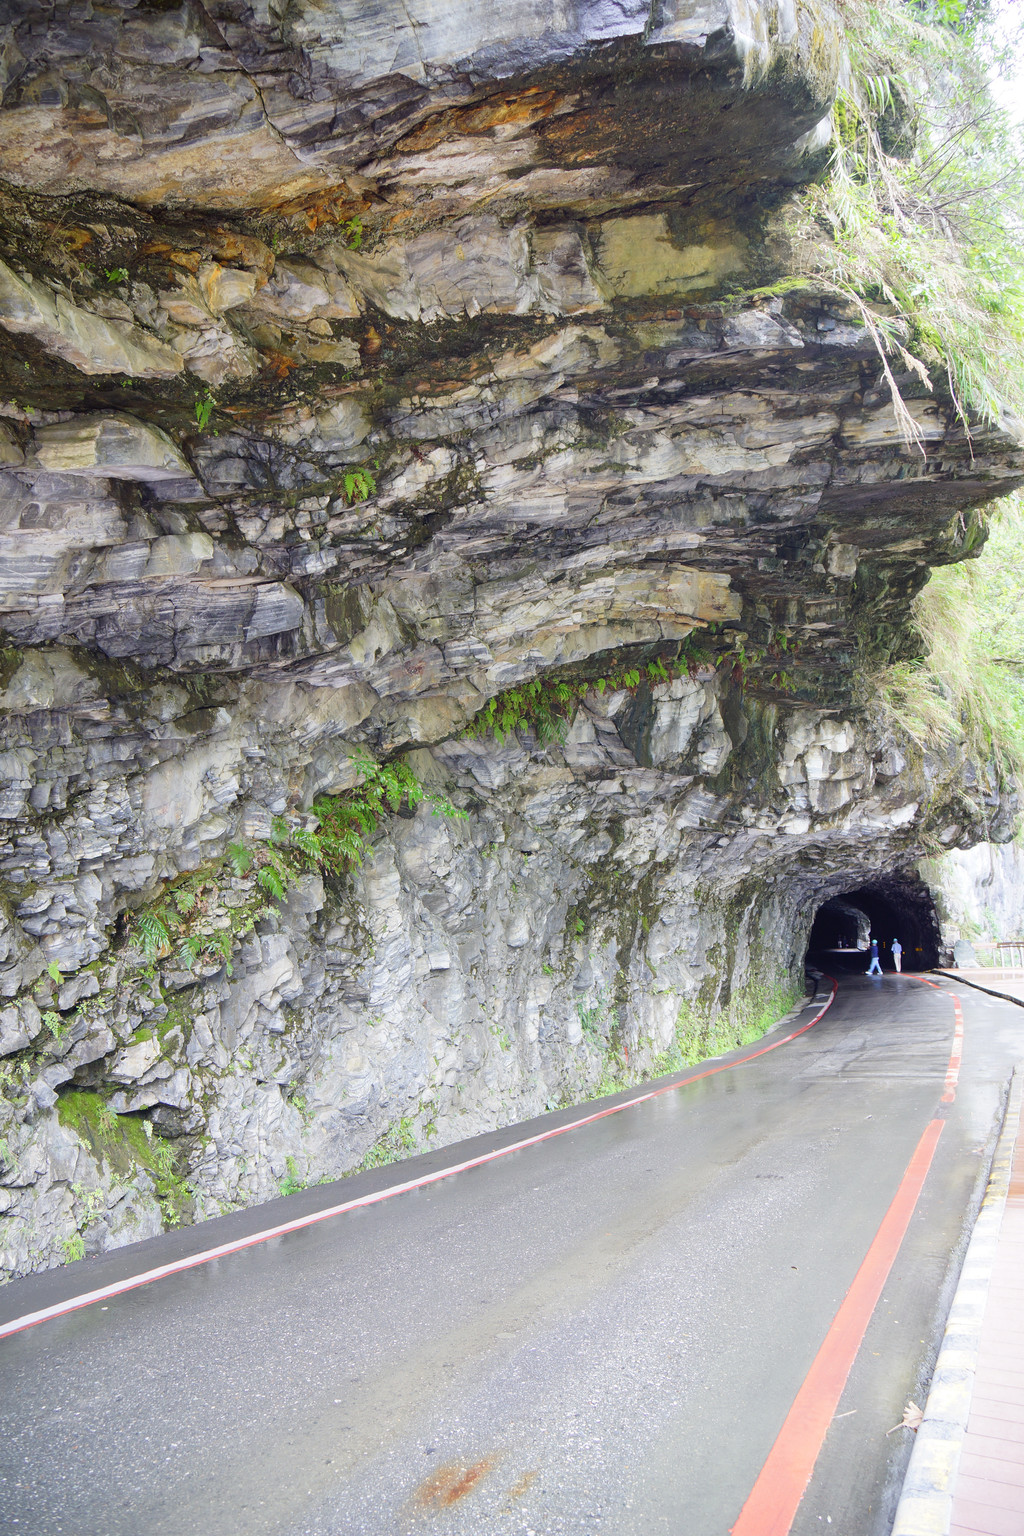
886, 907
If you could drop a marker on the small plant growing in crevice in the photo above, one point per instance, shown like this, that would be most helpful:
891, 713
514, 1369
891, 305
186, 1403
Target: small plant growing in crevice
293, 1180
397, 1142
54, 1023
501, 1035
203, 410
189, 920
126, 1144
358, 485
768, 660
548, 704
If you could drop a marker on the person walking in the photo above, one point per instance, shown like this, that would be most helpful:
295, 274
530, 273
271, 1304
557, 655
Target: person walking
897, 954
875, 968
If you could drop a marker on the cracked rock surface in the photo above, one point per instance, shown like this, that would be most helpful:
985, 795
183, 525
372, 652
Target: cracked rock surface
361, 365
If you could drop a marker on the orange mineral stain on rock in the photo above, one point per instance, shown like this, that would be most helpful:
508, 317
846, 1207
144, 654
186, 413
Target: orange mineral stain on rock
522, 108
523, 1485
452, 1482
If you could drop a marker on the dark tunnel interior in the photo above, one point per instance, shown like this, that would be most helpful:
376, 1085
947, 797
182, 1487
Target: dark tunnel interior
898, 906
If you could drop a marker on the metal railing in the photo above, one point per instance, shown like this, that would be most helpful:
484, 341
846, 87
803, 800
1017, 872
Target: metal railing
1006, 955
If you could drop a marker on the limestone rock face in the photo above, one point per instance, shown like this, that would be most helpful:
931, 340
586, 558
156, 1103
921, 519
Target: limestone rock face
362, 368
979, 894
227, 107
107, 448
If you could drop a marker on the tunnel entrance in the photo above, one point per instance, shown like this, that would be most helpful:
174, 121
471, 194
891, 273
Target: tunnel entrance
898, 906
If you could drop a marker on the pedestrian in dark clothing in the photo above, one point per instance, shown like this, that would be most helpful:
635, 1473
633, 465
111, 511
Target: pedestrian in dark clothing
875, 968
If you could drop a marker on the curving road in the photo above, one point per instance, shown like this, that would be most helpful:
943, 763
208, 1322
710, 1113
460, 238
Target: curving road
601, 1333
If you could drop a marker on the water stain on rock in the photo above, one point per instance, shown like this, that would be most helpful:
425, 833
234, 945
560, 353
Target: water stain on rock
452, 1482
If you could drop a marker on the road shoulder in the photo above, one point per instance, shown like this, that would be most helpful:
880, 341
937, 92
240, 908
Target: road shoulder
926, 1506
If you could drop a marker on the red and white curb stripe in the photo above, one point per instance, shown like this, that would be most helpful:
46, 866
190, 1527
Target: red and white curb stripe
147, 1277
926, 1503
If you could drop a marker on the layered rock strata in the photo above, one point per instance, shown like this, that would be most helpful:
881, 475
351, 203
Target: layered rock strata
366, 366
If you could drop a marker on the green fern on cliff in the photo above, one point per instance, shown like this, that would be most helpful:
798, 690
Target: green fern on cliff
547, 705
188, 917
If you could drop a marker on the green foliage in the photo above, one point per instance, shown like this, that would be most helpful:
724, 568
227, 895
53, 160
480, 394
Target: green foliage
126, 1144
353, 229
116, 274
359, 485
752, 1011
768, 661
153, 931
177, 921
921, 213
186, 919
970, 685
293, 1180
74, 1248
271, 881
54, 972
397, 1142
548, 704
203, 410
189, 950
54, 1023
92, 1203
240, 858
221, 944
106, 1120
298, 1102
597, 1019
346, 821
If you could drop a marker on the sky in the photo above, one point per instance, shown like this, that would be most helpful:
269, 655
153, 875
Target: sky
1009, 89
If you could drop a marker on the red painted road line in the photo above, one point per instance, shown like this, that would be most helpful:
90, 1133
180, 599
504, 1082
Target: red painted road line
88, 1298
782, 1481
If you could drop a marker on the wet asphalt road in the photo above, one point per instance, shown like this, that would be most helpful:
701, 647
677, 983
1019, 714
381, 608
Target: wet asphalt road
598, 1336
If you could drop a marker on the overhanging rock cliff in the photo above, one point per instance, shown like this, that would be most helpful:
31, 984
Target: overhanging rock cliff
365, 365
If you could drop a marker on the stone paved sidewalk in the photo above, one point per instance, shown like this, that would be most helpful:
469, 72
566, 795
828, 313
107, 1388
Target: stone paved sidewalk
988, 1498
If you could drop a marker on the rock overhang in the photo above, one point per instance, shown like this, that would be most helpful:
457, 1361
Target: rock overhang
540, 295
249, 110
